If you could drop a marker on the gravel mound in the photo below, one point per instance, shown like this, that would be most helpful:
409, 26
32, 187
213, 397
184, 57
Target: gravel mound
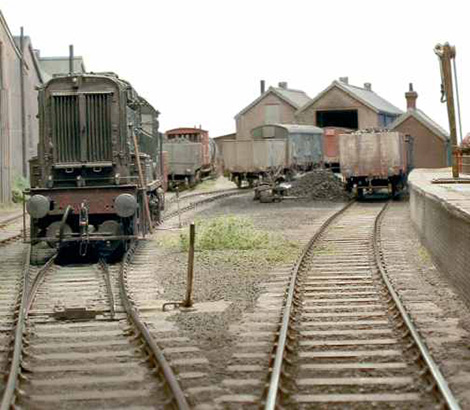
319, 184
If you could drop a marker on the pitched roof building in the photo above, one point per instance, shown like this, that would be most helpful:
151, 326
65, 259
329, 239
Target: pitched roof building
431, 147
276, 105
344, 105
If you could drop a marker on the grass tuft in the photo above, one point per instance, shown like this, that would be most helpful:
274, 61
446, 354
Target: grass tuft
232, 239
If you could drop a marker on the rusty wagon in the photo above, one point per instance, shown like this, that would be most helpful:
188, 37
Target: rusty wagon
274, 148
191, 155
373, 160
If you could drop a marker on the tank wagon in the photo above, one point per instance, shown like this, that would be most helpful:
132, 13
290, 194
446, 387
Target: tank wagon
96, 179
281, 148
191, 155
373, 160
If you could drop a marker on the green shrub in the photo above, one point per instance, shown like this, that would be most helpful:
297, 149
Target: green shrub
227, 232
19, 185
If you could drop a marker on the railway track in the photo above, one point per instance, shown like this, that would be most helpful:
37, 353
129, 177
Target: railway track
208, 198
11, 229
13, 257
345, 340
79, 340
197, 194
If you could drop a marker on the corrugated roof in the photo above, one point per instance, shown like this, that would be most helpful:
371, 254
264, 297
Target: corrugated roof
423, 119
371, 98
363, 95
296, 98
300, 129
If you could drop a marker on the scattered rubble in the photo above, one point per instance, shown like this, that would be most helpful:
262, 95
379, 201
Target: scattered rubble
319, 184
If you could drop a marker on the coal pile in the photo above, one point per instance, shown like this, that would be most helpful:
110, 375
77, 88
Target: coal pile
319, 185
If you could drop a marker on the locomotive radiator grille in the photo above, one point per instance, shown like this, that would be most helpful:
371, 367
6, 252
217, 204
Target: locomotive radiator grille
81, 128
98, 127
66, 129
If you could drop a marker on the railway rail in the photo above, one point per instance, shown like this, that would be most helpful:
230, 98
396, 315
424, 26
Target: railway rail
212, 196
70, 344
95, 359
345, 339
11, 229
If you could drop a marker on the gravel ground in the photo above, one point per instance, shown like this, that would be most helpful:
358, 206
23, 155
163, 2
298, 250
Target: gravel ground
441, 317
228, 283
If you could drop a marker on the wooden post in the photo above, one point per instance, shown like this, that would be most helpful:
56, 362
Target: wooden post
178, 205
189, 285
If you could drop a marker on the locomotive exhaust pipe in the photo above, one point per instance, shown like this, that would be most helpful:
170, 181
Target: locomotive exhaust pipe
71, 59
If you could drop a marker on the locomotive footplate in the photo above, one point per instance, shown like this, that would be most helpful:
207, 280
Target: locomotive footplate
111, 215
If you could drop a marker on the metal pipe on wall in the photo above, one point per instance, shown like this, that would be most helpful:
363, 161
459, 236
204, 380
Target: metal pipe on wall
23, 109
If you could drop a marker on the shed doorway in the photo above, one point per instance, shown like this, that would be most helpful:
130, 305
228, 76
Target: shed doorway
338, 118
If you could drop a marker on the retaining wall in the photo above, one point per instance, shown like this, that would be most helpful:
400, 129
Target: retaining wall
441, 214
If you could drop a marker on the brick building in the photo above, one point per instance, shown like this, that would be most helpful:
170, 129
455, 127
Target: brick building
277, 105
348, 106
431, 146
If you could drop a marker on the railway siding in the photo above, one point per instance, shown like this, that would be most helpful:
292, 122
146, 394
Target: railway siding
346, 339
429, 297
91, 362
13, 262
348, 348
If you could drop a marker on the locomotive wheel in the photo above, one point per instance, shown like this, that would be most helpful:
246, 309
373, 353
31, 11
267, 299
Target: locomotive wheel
52, 231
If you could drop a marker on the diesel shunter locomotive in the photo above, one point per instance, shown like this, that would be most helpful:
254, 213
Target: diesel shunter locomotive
97, 179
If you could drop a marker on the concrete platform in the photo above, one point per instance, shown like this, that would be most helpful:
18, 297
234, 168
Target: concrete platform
441, 214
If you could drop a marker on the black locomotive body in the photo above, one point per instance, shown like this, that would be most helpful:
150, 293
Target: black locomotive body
96, 179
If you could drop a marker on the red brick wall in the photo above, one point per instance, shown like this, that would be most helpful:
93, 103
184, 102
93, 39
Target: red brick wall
429, 150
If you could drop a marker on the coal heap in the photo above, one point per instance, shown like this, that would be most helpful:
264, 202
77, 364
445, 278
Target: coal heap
319, 184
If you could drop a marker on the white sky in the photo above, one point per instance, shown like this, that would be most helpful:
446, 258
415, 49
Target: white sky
200, 61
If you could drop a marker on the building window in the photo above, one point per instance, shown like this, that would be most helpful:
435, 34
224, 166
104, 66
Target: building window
386, 119
272, 114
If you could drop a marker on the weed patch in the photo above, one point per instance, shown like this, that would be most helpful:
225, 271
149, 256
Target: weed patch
234, 240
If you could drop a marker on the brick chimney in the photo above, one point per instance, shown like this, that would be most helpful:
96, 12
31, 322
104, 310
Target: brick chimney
283, 84
262, 87
344, 80
411, 97
368, 86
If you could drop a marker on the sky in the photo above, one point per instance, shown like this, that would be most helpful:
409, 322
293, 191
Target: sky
201, 62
